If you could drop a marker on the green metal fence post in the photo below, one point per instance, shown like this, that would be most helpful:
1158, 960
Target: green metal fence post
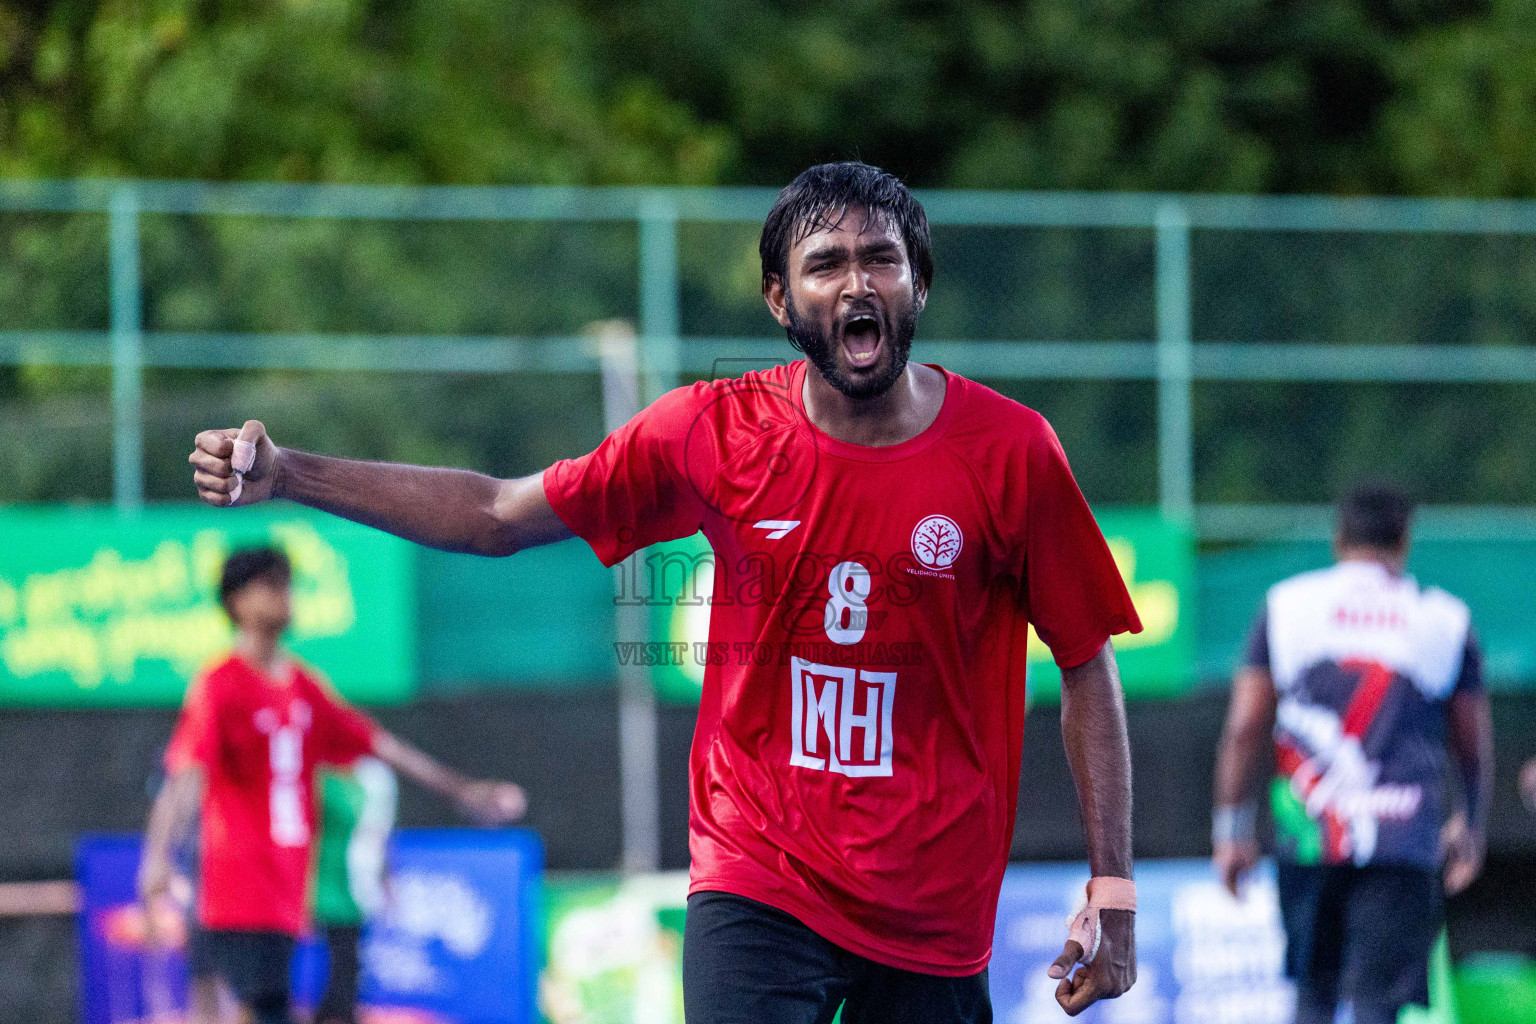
659, 300
127, 352
1175, 428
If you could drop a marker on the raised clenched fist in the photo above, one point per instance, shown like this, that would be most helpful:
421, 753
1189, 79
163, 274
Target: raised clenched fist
234, 467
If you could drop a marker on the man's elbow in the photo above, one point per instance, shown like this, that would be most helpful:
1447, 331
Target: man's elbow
498, 532
496, 538
517, 517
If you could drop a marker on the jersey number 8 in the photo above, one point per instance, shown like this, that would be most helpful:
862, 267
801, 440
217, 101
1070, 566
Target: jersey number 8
847, 615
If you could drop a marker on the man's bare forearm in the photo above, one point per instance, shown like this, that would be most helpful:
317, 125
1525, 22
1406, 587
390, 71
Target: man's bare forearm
418, 766
1099, 753
1245, 737
490, 803
1236, 757
1471, 740
171, 816
449, 509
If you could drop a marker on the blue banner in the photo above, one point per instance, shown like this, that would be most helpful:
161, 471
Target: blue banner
456, 944
1202, 956
614, 948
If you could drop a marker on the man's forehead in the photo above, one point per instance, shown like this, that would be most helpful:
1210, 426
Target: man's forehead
845, 227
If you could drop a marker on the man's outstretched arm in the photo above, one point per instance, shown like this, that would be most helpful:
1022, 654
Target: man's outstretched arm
450, 509
1099, 753
489, 802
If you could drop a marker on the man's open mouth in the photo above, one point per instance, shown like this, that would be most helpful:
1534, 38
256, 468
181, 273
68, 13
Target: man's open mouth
861, 340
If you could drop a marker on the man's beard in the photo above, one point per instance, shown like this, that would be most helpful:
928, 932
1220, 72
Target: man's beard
821, 348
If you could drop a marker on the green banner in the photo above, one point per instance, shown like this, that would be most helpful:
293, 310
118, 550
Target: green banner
614, 949
1156, 558
680, 576
543, 618
102, 609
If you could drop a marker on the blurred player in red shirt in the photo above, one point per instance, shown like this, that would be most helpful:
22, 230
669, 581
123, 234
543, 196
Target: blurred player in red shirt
884, 533
252, 729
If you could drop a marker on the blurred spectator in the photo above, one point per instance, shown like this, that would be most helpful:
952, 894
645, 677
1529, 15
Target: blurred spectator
252, 731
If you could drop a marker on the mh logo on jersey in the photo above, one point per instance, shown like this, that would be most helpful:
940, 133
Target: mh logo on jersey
936, 542
841, 718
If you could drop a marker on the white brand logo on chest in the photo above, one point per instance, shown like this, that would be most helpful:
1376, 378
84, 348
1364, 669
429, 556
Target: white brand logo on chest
777, 528
936, 542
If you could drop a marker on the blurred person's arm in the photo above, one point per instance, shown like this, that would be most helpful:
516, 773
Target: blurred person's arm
1470, 720
1244, 745
449, 509
194, 744
340, 734
1099, 753
1528, 784
489, 802
170, 819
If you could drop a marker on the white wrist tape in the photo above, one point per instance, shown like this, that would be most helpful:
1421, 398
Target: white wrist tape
1105, 892
1234, 823
242, 459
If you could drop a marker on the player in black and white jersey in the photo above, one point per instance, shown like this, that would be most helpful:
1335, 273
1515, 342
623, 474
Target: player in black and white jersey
1366, 684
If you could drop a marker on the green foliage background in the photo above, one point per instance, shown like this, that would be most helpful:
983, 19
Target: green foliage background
1401, 97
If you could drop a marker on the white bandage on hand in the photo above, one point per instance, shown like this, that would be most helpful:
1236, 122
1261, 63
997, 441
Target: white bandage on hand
1105, 892
242, 459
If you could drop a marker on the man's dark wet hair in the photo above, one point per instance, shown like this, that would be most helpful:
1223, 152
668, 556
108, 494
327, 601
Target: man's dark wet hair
822, 195
1375, 515
248, 565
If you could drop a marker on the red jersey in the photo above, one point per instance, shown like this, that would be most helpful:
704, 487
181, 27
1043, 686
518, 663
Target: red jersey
258, 740
856, 758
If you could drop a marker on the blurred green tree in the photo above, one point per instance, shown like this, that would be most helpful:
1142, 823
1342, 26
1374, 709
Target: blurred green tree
1395, 96
462, 91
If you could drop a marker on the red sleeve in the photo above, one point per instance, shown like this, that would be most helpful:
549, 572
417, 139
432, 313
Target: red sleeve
196, 739
1071, 587
633, 490
340, 734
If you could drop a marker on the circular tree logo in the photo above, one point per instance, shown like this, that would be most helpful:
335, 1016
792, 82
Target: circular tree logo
936, 541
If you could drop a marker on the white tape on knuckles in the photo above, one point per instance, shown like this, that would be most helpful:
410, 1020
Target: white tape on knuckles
241, 459
1103, 893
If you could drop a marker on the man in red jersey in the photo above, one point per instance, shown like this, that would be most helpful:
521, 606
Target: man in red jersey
884, 534
252, 729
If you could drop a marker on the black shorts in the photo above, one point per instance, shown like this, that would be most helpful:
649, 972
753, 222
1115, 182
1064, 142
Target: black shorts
199, 960
255, 966
1361, 933
746, 963
339, 1003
